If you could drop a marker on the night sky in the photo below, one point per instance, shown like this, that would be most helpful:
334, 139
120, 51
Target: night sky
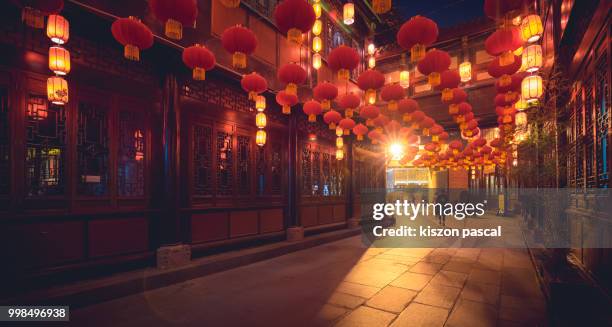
445, 12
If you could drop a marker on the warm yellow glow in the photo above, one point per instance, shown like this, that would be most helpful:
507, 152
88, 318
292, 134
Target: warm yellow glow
317, 44
260, 137
339, 142
371, 62
339, 131
521, 104
404, 79
57, 90
370, 96
339, 154
371, 48
531, 88
260, 103
465, 71
516, 21
58, 29
231, 3
316, 61
532, 58
317, 9
59, 60
396, 150
381, 6
348, 13
260, 120
518, 51
520, 119
317, 28
531, 28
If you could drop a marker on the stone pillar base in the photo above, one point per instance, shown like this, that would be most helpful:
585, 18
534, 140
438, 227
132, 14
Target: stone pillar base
172, 256
352, 222
295, 233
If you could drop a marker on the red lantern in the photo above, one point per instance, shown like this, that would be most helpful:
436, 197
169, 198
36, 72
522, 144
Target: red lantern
312, 108
287, 101
502, 101
417, 117
342, 60
199, 59
293, 75
33, 12
443, 137
496, 70
434, 63
459, 96
381, 121
503, 9
462, 109
349, 102
370, 113
514, 86
332, 118
392, 94
497, 143
502, 43
449, 79
346, 124
360, 130
254, 84
240, 42
416, 34
133, 35
174, 14
325, 92
294, 17
370, 81
407, 107
425, 125
374, 136
435, 132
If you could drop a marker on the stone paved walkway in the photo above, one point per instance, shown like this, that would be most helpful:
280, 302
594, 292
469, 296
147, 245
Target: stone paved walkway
345, 284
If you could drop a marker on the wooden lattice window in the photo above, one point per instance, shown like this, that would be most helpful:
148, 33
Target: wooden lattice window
202, 160
306, 171
45, 147
276, 169
131, 158
339, 177
261, 169
326, 176
225, 164
316, 173
92, 150
602, 112
579, 137
244, 176
589, 137
4, 142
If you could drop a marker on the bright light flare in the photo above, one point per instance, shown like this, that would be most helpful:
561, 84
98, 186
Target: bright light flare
396, 150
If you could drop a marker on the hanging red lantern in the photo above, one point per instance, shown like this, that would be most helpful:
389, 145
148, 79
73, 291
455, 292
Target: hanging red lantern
332, 118
416, 34
449, 79
347, 125
286, 101
443, 137
502, 101
417, 117
292, 75
406, 107
392, 128
175, 14
504, 73
435, 62
462, 109
455, 146
325, 92
33, 12
199, 59
369, 112
133, 35
503, 43
435, 132
294, 18
360, 130
374, 136
254, 84
370, 81
425, 125
432, 147
459, 95
515, 84
392, 94
497, 143
240, 42
349, 102
503, 9
380, 122
312, 108
343, 60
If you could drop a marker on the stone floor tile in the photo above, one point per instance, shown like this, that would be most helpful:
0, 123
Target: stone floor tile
366, 317
458, 266
485, 276
472, 314
438, 295
330, 312
525, 317
398, 258
426, 268
392, 299
449, 278
374, 276
479, 292
363, 291
421, 315
437, 258
412, 281
345, 300
520, 282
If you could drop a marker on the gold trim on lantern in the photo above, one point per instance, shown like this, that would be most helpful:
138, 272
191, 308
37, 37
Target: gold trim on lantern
59, 60
406, 118
312, 118
332, 126
57, 90
369, 122
339, 131
447, 94
348, 113
286, 109
239, 60
199, 74
347, 132
291, 88
131, 52
343, 74
392, 105
434, 79
58, 29
359, 137
326, 104
231, 3
174, 29
260, 103
381, 6
294, 35
506, 58
505, 80
417, 52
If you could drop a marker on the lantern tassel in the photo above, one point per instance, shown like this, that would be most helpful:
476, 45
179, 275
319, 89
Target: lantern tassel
174, 29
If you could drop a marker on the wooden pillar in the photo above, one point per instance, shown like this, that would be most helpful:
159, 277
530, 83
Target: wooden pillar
350, 168
295, 230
